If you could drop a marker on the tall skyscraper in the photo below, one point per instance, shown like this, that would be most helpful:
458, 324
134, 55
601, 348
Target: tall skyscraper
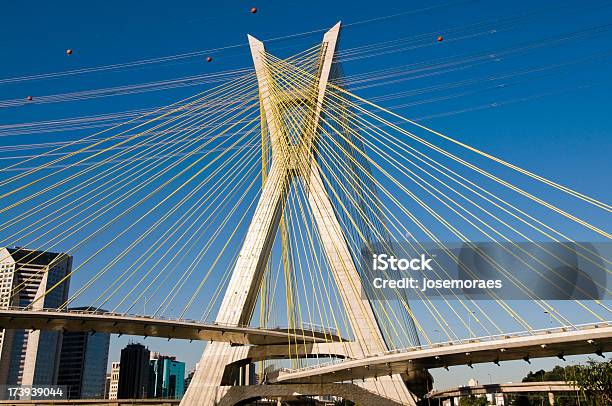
134, 375
113, 386
107, 383
166, 377
31, 357
83, 361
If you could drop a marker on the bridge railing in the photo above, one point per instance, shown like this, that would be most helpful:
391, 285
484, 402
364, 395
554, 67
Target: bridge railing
93, 311
494, 337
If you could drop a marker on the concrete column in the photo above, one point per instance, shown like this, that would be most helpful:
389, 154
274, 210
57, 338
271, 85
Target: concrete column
241, 293
208, 386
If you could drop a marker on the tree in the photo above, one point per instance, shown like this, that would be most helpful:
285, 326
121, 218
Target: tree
521, 401
473, 401
558, 373
595, 381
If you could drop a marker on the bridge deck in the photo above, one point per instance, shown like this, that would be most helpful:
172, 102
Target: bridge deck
520, 387
584, 340
152, 327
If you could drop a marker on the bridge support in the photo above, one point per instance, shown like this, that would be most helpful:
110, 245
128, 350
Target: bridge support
348, 391
212, 382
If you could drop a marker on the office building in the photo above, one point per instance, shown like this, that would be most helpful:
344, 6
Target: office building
107, 383
83, 361
31, 357
166, 377
134, 374
113, 385
189, 377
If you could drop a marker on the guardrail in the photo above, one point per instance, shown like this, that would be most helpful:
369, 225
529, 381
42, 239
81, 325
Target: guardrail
98, 312
527, 333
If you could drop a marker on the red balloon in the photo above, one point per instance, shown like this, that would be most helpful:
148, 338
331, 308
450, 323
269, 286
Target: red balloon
253, 10
30, 98
209, 59
440, 39
69, 52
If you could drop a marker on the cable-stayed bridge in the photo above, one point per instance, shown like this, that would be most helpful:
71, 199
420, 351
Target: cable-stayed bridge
258, 200
592, 338
104, 322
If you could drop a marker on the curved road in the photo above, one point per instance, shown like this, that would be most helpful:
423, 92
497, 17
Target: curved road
86, 321
586, 339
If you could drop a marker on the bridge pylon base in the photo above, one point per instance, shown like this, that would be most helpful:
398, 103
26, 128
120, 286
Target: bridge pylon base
353, 392
220, 380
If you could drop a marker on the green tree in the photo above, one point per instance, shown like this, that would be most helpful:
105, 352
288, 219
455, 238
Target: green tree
595, 381
521, 401
473, 401
558, 373
537, 400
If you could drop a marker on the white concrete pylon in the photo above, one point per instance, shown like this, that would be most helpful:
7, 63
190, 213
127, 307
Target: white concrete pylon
209, 385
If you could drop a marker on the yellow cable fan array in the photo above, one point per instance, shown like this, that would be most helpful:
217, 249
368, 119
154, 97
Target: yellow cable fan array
167, 197
303, 82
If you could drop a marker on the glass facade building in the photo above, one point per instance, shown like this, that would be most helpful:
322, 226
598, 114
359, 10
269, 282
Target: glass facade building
166, 378
31, 357
134, 372
83, 363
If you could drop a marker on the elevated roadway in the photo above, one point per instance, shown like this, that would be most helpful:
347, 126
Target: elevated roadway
585, 339
104, 322
519, 387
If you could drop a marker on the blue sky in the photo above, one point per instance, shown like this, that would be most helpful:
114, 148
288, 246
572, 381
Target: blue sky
568, 125
555, 121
